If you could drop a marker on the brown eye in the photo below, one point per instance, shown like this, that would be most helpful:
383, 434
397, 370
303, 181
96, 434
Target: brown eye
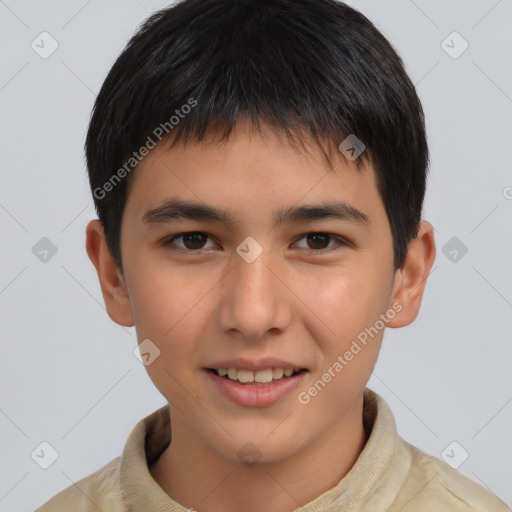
318, 242
192, 241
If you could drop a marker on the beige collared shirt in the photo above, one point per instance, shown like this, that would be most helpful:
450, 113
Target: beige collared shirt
390, 475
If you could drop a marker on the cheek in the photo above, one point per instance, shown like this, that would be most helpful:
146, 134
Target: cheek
343, 302
346, 308
163, 298
169, 312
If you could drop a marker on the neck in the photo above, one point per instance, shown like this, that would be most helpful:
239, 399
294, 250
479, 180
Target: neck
194, 475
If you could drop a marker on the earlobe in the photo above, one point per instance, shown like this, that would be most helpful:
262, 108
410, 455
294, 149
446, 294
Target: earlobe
113, 287
411, 279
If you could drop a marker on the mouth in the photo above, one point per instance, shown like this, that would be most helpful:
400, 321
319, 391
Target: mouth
262, 377
261, 386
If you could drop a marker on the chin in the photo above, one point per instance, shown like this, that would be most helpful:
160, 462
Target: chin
257, 449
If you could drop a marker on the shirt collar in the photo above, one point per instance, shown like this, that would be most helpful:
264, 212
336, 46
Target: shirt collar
372, 483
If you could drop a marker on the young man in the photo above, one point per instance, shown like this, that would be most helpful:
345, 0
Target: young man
259, 169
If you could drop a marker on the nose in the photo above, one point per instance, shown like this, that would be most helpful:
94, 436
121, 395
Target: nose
255, 301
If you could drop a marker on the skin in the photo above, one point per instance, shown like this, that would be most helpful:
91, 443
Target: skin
291, 303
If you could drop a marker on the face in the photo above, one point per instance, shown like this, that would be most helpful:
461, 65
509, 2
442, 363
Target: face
256, 295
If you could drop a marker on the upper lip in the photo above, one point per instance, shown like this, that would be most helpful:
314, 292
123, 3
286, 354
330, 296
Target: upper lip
255, 365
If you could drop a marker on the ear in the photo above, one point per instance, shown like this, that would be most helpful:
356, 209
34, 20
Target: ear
113, 286
411, 279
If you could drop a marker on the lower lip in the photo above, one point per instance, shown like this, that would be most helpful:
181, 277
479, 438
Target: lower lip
256, 395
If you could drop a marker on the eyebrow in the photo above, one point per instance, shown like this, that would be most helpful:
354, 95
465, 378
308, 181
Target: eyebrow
175, 209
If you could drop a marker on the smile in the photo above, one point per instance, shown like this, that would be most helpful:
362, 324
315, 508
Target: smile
255, 388
264, 376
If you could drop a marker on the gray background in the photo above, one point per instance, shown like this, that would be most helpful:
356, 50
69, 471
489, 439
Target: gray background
68, 373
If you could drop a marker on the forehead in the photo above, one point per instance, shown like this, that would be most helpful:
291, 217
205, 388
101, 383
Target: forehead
262, 142
250, 167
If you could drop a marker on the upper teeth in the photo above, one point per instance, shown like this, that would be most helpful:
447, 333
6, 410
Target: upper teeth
262, 376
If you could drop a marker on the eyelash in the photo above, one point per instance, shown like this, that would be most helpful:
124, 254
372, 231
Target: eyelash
169, 241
